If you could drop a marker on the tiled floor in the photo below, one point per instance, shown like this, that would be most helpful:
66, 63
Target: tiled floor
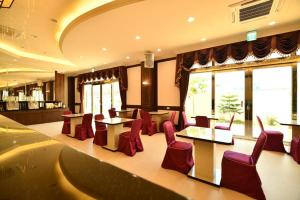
279, 173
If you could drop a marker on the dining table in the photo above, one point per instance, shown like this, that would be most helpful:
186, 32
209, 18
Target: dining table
205, 140
114, 129
295, 124
75, 119
159, 117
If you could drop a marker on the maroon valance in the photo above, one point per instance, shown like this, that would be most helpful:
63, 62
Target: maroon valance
285, 43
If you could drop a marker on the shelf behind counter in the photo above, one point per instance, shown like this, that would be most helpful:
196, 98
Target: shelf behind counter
38, 116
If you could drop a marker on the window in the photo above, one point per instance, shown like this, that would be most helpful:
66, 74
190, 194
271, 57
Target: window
100, 98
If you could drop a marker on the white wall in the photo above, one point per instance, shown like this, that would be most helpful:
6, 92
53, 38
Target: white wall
134, 86
167, 93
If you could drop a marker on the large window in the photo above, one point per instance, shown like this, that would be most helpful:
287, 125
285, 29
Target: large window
198, 100
272, 98
100, 98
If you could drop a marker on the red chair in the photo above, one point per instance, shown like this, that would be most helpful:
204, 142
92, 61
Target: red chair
274, 138
85, 130
295, 149
239, 170
112, 113
133, 116
226, 127
179, 155
101, 132
202, 121
130, 141
171, 119
149, 126
185, 121
66, 127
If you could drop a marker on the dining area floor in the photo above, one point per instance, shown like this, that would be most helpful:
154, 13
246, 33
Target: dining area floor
279, 173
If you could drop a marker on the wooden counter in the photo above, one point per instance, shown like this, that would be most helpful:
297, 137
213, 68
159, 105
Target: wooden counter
28, 117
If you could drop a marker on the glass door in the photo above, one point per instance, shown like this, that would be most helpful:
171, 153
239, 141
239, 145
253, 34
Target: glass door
96, 99
116, 98
87, 99
272, 99
229, 99
106, 99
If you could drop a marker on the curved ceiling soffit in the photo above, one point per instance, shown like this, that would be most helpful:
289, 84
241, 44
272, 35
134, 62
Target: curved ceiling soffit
94, 12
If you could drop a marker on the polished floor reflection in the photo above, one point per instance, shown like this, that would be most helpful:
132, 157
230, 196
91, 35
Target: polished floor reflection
280, 179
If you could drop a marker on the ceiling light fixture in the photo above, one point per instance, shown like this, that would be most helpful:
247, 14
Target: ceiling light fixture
137, 37
158, 50
6, 3
190, 19
203, 39
272, 23
104, 49
127, 57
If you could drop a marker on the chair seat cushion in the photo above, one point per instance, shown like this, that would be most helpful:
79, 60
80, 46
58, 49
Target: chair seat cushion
180, 145
222, 127
238, 157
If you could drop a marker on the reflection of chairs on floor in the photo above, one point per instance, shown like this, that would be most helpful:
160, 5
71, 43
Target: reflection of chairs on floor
274, 138
239, 170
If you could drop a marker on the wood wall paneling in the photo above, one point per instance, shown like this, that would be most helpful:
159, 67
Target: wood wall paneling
59, 86
149, 88
71, 93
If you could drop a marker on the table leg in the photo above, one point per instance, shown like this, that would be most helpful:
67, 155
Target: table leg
204, 168
74, 121
295, 131
113, 132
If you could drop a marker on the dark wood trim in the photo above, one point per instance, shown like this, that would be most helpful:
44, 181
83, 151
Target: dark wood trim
133, 106
176, 108
165, 59
135, 65
77, 104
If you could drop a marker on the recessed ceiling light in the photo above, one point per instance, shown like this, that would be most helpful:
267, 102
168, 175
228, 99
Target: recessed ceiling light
127, 57
158, 50
104, 49
272, 23
137, 37
190, 19
203, 39
15, 60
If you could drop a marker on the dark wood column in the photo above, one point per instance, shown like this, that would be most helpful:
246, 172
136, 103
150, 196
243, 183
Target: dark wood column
149, 88
59, 86
71, 93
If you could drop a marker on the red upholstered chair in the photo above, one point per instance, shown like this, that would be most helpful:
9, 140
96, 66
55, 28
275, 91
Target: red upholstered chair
274, 138
179, 155
85, 130
66, 127
133, 116
171, 119
239, 170
101, 132
226, 127
295, 149
112, 113
202, 121
149, 126
130, 141
185, 121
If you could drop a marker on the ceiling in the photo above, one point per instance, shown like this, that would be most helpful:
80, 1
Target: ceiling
68, 35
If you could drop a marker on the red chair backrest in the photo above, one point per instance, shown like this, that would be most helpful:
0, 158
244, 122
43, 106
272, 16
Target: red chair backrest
169, 132
67, 112
185, 121
134, 114
260, 123
99, 126
112, 112
146, 118
202, 121
172, 117
231, 121
135, 129
258, 148
141, 113
87, 120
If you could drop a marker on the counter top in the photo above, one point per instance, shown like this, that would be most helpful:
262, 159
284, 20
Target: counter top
34, 166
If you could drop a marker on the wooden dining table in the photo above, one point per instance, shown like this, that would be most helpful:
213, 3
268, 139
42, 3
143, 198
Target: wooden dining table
159, 117
114, 129
75, 119
205, 140
295, 124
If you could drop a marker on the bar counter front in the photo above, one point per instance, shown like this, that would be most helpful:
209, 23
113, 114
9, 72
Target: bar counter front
35, 166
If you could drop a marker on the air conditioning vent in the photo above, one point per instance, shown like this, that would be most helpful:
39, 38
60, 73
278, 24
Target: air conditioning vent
249, 10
